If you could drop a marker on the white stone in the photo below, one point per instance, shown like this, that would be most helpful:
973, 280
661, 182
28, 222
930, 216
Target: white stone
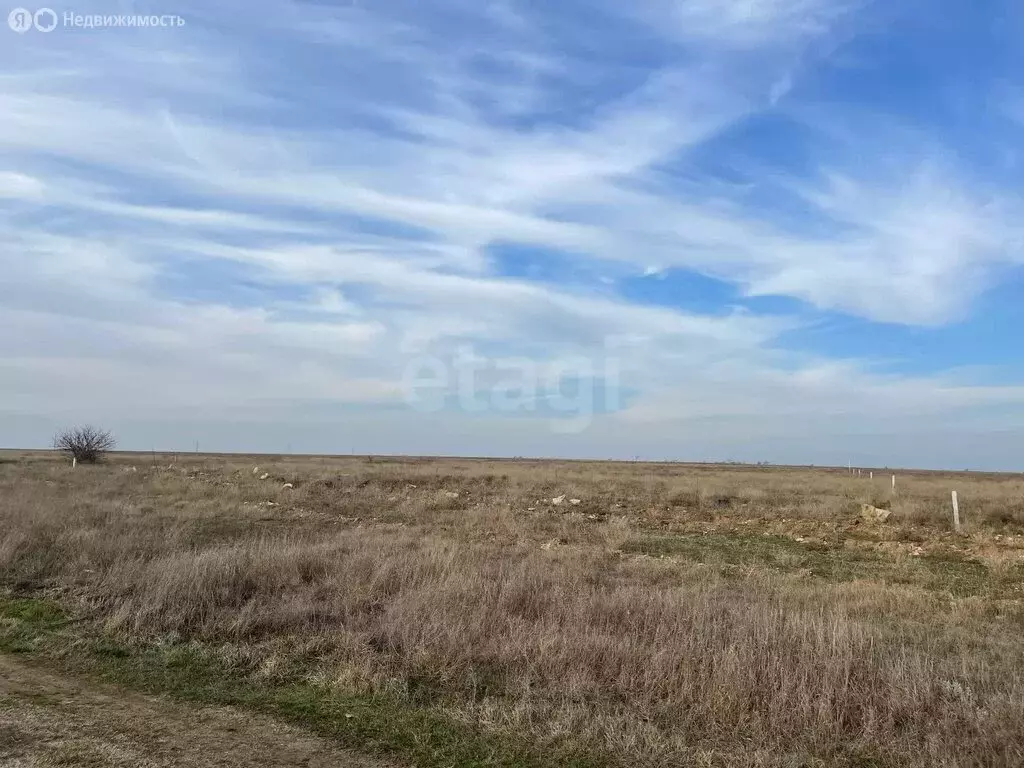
874, 514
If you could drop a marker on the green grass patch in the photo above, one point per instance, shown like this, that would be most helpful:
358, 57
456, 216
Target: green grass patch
959, 577
24, 620
29, 611
777, 552
943, 573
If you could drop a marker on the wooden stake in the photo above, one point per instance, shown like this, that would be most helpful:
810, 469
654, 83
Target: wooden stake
894, 483
956, 513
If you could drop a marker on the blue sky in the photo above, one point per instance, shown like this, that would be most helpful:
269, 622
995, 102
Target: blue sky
782, 230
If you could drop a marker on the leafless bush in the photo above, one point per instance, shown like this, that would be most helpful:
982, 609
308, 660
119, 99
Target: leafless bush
86, 444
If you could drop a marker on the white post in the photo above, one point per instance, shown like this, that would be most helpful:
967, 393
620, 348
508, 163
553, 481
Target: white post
872, 475
894, 483
956, 513
74, 462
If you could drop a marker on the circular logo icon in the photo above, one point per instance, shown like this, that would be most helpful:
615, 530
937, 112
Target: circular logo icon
45, 20
20, 20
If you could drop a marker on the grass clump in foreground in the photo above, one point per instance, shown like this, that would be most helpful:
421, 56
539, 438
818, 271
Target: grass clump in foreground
492, 628
23, 621
197, 674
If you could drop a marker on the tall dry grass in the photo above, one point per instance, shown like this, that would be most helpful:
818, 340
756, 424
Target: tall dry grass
516, 615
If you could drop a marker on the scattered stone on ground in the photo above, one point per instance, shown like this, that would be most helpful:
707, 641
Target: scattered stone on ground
874, 514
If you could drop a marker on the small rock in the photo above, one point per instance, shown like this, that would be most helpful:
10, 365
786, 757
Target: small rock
558, 499
874, 514
451, 494
531, 509
574, 501
255, 470
287, 485
264, 476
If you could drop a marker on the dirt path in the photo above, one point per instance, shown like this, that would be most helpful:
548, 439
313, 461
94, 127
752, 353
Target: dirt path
49, 720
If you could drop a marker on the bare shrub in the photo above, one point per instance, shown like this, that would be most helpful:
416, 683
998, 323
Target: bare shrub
85, 444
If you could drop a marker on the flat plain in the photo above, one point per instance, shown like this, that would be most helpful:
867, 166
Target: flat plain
471, 612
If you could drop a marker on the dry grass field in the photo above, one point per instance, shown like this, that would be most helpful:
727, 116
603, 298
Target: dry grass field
451, 613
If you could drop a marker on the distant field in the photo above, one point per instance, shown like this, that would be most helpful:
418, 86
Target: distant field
450, 613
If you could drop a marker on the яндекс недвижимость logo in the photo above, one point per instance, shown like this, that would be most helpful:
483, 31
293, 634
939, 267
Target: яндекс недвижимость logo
22, 20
